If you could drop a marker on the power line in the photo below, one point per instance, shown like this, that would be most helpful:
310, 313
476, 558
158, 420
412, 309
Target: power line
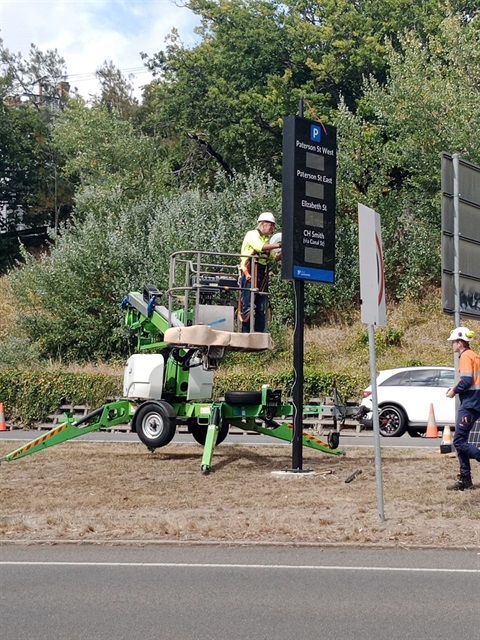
79, 77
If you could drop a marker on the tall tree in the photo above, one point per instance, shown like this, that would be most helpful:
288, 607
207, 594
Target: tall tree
32, 192
390, 149
256, 58
39, 80
104, 150
116, 90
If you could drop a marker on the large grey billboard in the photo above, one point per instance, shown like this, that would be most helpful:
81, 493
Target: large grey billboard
460, 236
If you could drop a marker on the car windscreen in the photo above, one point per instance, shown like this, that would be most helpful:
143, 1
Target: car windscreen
446, 378
421, 378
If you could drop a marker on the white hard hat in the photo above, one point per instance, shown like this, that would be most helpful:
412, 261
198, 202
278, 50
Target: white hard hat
266, 216
462, 333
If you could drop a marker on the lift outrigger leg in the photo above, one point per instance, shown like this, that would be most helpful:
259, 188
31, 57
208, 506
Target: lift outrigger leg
109, 415
211, 439
284, 431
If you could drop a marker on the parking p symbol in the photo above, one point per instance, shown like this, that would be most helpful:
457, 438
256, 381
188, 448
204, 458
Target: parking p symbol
315, 133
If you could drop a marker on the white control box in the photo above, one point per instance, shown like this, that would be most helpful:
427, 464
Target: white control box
200, 384
143, 376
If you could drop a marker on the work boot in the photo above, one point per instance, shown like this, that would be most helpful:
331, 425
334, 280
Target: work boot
463, 482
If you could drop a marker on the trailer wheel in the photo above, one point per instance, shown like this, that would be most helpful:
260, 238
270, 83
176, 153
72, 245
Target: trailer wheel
155, 424
199, 431
243, 398
333, 439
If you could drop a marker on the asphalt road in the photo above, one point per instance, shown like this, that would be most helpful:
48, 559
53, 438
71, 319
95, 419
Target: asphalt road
347, 438
184, 592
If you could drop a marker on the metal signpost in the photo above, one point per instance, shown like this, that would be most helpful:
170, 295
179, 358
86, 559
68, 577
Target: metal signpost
372, 293
308, 231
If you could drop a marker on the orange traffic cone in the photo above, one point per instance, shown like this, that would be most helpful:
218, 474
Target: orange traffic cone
3, 426
432, 431
446, 445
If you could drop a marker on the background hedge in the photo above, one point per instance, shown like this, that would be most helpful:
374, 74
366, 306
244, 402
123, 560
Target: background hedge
316, 383
31, 396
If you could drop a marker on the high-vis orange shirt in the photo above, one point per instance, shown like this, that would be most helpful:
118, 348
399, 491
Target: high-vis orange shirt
468, 387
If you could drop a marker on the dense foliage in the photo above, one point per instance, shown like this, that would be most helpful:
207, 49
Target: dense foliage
257, 58
69, 300
200, 157
33, 191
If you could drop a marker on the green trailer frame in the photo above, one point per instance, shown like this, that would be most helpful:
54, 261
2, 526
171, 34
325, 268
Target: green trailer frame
155, 423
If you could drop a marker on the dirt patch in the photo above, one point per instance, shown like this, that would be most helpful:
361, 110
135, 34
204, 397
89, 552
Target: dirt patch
120, 492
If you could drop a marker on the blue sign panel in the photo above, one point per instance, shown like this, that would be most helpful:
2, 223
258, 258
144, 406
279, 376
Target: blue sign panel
309, 273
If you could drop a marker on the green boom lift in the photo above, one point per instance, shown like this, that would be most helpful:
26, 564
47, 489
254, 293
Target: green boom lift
169, 381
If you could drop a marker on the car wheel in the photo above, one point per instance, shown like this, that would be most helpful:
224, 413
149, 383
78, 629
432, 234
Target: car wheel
199, 432
155, 424
393, 421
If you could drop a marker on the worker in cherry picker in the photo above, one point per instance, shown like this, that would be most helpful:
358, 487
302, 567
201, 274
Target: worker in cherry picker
257, 243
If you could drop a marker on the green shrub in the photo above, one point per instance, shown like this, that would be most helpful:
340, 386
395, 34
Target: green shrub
31, 396
69, 301
385, 337
19, 353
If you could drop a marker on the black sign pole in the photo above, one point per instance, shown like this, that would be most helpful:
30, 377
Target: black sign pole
298, 346
298, 359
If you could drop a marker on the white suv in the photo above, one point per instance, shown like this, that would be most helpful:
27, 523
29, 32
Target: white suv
405, 396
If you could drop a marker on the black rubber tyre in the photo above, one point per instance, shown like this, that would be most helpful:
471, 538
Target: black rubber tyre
243, 398
155, 423
393, 421
199, 431
333, 439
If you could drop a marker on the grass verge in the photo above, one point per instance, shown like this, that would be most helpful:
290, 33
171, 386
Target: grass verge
105, 492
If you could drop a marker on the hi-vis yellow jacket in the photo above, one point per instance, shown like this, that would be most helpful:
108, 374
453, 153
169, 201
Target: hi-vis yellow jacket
468, 387
252, 246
